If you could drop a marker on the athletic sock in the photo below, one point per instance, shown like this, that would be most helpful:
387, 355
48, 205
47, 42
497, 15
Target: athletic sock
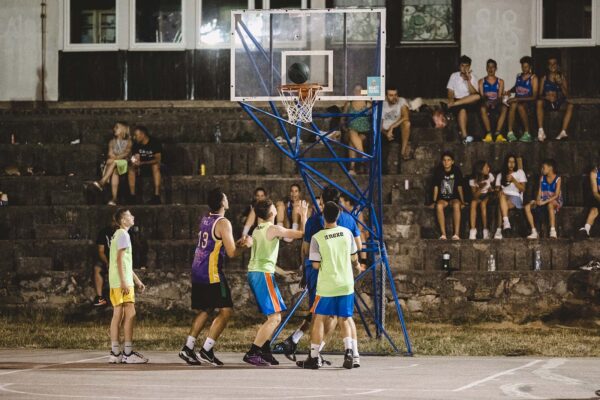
321, 346
348, 343
128, 348
314, 350
208, 344
254, 349
115, 348
266, 348
587, 228
355, 347
190, 342
296, 336
295, 226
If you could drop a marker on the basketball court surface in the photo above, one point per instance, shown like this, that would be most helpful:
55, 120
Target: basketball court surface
43, 374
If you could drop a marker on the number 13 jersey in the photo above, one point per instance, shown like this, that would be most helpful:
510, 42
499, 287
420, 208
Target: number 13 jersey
210, 253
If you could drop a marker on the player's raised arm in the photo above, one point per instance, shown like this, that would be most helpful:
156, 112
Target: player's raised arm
283, 233
225, 231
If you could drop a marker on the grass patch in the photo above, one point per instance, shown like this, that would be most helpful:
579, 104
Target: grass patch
433, 339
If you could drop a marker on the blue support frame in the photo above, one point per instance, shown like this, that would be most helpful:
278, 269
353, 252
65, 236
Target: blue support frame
368, 198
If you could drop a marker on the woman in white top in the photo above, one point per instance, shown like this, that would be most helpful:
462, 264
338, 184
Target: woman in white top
119, 148
481, 185
510, 183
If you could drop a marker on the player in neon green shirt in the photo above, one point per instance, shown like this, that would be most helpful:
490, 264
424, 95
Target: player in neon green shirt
261, 277
333, 252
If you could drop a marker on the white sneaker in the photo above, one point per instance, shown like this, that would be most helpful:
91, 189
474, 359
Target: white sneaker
562, 135
473, 234
534, 235
541, 135
486, 234
553, 234
134, 358
468, 139
506, 225
498, 234
115, 358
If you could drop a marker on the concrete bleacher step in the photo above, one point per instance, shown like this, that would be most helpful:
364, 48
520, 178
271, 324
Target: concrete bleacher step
33, 266
509, 254
53, 231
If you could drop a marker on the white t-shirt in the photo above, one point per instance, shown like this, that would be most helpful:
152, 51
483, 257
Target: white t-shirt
391, 112
511, 190
459, 86
488, 184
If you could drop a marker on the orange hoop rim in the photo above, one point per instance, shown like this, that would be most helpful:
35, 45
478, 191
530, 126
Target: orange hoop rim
300, 86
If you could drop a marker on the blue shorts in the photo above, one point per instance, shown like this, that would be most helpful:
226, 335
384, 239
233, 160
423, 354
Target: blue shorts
266, 292
339, 306
312, 275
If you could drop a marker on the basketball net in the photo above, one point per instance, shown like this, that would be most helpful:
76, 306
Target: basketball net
299, 100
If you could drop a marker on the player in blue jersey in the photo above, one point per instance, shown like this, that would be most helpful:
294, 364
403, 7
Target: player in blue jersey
525, 94
554, 93
491, 88
210, 290
314, 224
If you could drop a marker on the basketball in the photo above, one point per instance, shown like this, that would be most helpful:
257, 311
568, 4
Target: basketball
298, 72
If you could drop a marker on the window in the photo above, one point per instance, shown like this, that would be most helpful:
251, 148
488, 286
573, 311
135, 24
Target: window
562, 23
215, 21
428, 21
157, 24
90, 25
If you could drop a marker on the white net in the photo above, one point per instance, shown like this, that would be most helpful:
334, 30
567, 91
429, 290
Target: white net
299, 101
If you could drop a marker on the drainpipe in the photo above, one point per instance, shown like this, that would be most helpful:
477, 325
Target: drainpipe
43, 71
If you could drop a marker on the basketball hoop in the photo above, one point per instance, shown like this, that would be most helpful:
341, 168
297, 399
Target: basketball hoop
299, 100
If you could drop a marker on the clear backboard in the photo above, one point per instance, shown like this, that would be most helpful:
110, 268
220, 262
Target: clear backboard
344, 49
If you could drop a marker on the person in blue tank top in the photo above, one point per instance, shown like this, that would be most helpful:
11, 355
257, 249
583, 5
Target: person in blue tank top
523, 97
593, 199
491, 88
309, 280
548, 200
553, 97
288, 209
210, 290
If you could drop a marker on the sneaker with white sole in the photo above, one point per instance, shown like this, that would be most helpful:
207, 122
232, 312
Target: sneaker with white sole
541, 135
134, 358
498, 234
533, 235
472, 234
486, 234
553, 234
467, 139
115, 358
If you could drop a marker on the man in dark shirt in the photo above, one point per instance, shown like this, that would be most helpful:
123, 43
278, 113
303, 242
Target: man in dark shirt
145, 161
447, 190
101, 265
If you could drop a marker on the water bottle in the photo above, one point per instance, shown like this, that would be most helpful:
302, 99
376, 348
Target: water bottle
538, 261
491, 263
446, 261
218, 134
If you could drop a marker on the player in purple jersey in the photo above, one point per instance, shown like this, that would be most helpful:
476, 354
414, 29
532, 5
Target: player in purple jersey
210, 290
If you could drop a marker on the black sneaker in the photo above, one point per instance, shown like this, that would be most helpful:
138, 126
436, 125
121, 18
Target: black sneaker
310, 363
155, 200
99, 301
348, 359
189, 356
287, 348
209, 357
268, 357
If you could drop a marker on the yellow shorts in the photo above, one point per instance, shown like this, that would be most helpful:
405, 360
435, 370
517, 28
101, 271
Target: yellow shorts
117, 297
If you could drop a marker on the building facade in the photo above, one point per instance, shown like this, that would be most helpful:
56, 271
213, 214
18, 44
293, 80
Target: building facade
72, 50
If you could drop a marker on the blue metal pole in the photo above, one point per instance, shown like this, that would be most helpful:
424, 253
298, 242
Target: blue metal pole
288, 316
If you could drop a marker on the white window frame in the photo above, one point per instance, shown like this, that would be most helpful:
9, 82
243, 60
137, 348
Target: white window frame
142, 46
68, 46
227, 45
541, 42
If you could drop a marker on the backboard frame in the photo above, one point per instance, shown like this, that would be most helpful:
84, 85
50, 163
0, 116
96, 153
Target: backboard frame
291, 51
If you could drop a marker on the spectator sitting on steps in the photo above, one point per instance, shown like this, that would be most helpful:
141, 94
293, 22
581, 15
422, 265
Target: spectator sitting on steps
260, 194
548, 199
119, 151
491, 88
594, 200
553, 97
395, 113
358, 127
288, 210
462, 96
510, 184
145, 161
481, 187
448, 190
525, 90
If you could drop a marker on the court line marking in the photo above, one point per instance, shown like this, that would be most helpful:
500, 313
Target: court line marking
545, 372
51, 365
405, 366
497, 375
513, 390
